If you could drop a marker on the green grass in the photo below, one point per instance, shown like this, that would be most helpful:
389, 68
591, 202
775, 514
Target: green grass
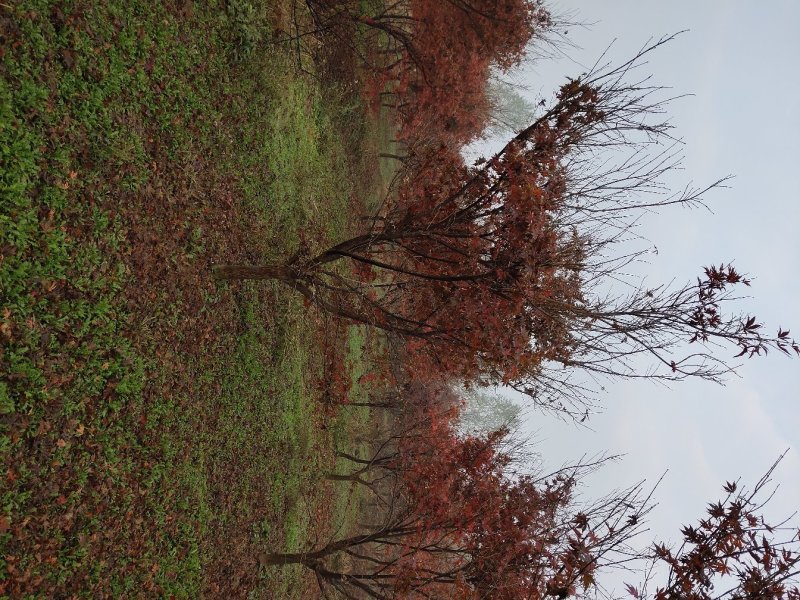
146, 415
266, 428
293, 172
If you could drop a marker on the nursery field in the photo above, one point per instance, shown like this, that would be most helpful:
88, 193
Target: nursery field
267, 331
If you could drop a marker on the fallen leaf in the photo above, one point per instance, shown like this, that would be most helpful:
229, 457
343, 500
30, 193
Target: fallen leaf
68, 58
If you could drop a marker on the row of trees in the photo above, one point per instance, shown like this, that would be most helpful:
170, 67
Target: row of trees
497, 273
458, 516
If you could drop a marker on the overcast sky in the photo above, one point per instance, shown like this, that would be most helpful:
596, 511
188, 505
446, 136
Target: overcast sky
739, 59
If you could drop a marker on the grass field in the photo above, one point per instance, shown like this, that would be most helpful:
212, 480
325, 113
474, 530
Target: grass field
157, 430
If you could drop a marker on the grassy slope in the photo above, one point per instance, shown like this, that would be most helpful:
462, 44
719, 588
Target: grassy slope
156, 430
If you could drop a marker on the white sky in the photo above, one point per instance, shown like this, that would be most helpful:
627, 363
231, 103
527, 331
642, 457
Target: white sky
739, 59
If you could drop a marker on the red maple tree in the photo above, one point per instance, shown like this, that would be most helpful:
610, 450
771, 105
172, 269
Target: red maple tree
457, 524
487, 270
434, 56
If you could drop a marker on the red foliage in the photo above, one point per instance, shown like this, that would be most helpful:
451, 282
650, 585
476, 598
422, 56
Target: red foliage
335, 381
456, 524
732, 554
473, 252
455, 44
478, 533
438, 57
488, 271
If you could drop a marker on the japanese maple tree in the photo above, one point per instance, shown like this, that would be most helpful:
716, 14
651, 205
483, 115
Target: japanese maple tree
458, 525
444, 92
436, 54
488, 270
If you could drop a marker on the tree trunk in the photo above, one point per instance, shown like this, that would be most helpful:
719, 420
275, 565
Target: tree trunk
228, 272
386, 405
279, 560
376, 461
312, 558
353, 477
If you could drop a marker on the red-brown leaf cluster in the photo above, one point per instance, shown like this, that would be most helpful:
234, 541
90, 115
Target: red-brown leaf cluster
439, 56
732, 553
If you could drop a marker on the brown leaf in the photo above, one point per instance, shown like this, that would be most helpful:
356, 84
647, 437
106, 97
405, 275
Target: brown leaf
68, 58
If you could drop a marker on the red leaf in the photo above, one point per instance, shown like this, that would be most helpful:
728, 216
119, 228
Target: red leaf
632, 590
